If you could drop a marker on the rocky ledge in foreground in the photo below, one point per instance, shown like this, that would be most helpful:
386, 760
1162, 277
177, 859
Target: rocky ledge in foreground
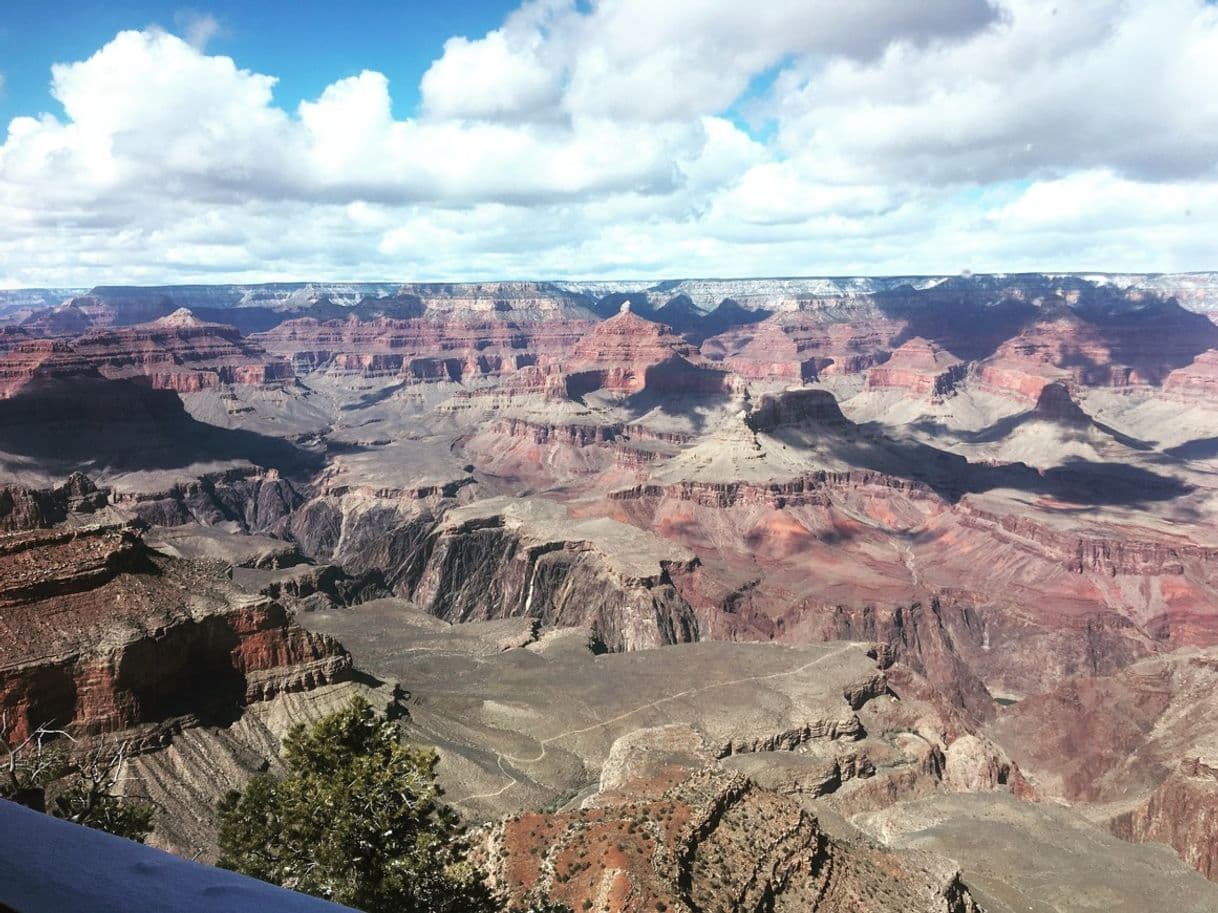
670, 831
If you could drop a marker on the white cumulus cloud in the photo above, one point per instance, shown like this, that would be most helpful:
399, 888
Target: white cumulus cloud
607, 139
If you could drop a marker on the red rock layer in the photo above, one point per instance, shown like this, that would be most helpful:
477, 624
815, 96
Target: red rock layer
574, 434
1096, 349
813, 489
627, 354
420, 349
711, 840
1109, 555
39, 358
920, 368
628, 338
11, 336
1039, 355
1141, 740
99, 635
181, 353
1182, 813
803, 345
1199, 379
177, 352
571, 434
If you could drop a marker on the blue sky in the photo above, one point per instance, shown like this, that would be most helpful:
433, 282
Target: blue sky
307, 44
258, 141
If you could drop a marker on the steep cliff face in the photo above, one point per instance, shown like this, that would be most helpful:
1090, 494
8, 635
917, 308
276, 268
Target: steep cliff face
509, 558
796, 407
768, 546
482, 569
102, 635
1056, 404
39, 359
23, 508
180, 352
571, 434
1181, 812
256, 500
1137, 744
929, 639
1080, 553
817, 488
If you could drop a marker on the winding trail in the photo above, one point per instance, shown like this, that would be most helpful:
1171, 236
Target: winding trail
500, 757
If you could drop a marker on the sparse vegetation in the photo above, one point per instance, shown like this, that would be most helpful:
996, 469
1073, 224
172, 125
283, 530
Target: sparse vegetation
40, 773
543, 906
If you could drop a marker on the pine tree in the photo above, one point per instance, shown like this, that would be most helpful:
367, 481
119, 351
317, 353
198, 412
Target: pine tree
356, 819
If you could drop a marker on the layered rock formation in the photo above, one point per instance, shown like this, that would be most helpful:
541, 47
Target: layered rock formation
37, 359
920, 368
794, 408
261, 307
101, 635
1136, 343
821, 722
1198, 379
627, 354
820, 338
23, 508
178, 352
1180, 812
510, 558
458, 348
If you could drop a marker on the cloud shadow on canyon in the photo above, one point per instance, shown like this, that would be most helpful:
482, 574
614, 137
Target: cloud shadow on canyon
951, 476
964, 325
1004, 427
973, 323
123, 426
697, 408
1205, 448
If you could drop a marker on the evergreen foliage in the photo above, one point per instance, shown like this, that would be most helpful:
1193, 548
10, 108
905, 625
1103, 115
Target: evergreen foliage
356, 819
91, 804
